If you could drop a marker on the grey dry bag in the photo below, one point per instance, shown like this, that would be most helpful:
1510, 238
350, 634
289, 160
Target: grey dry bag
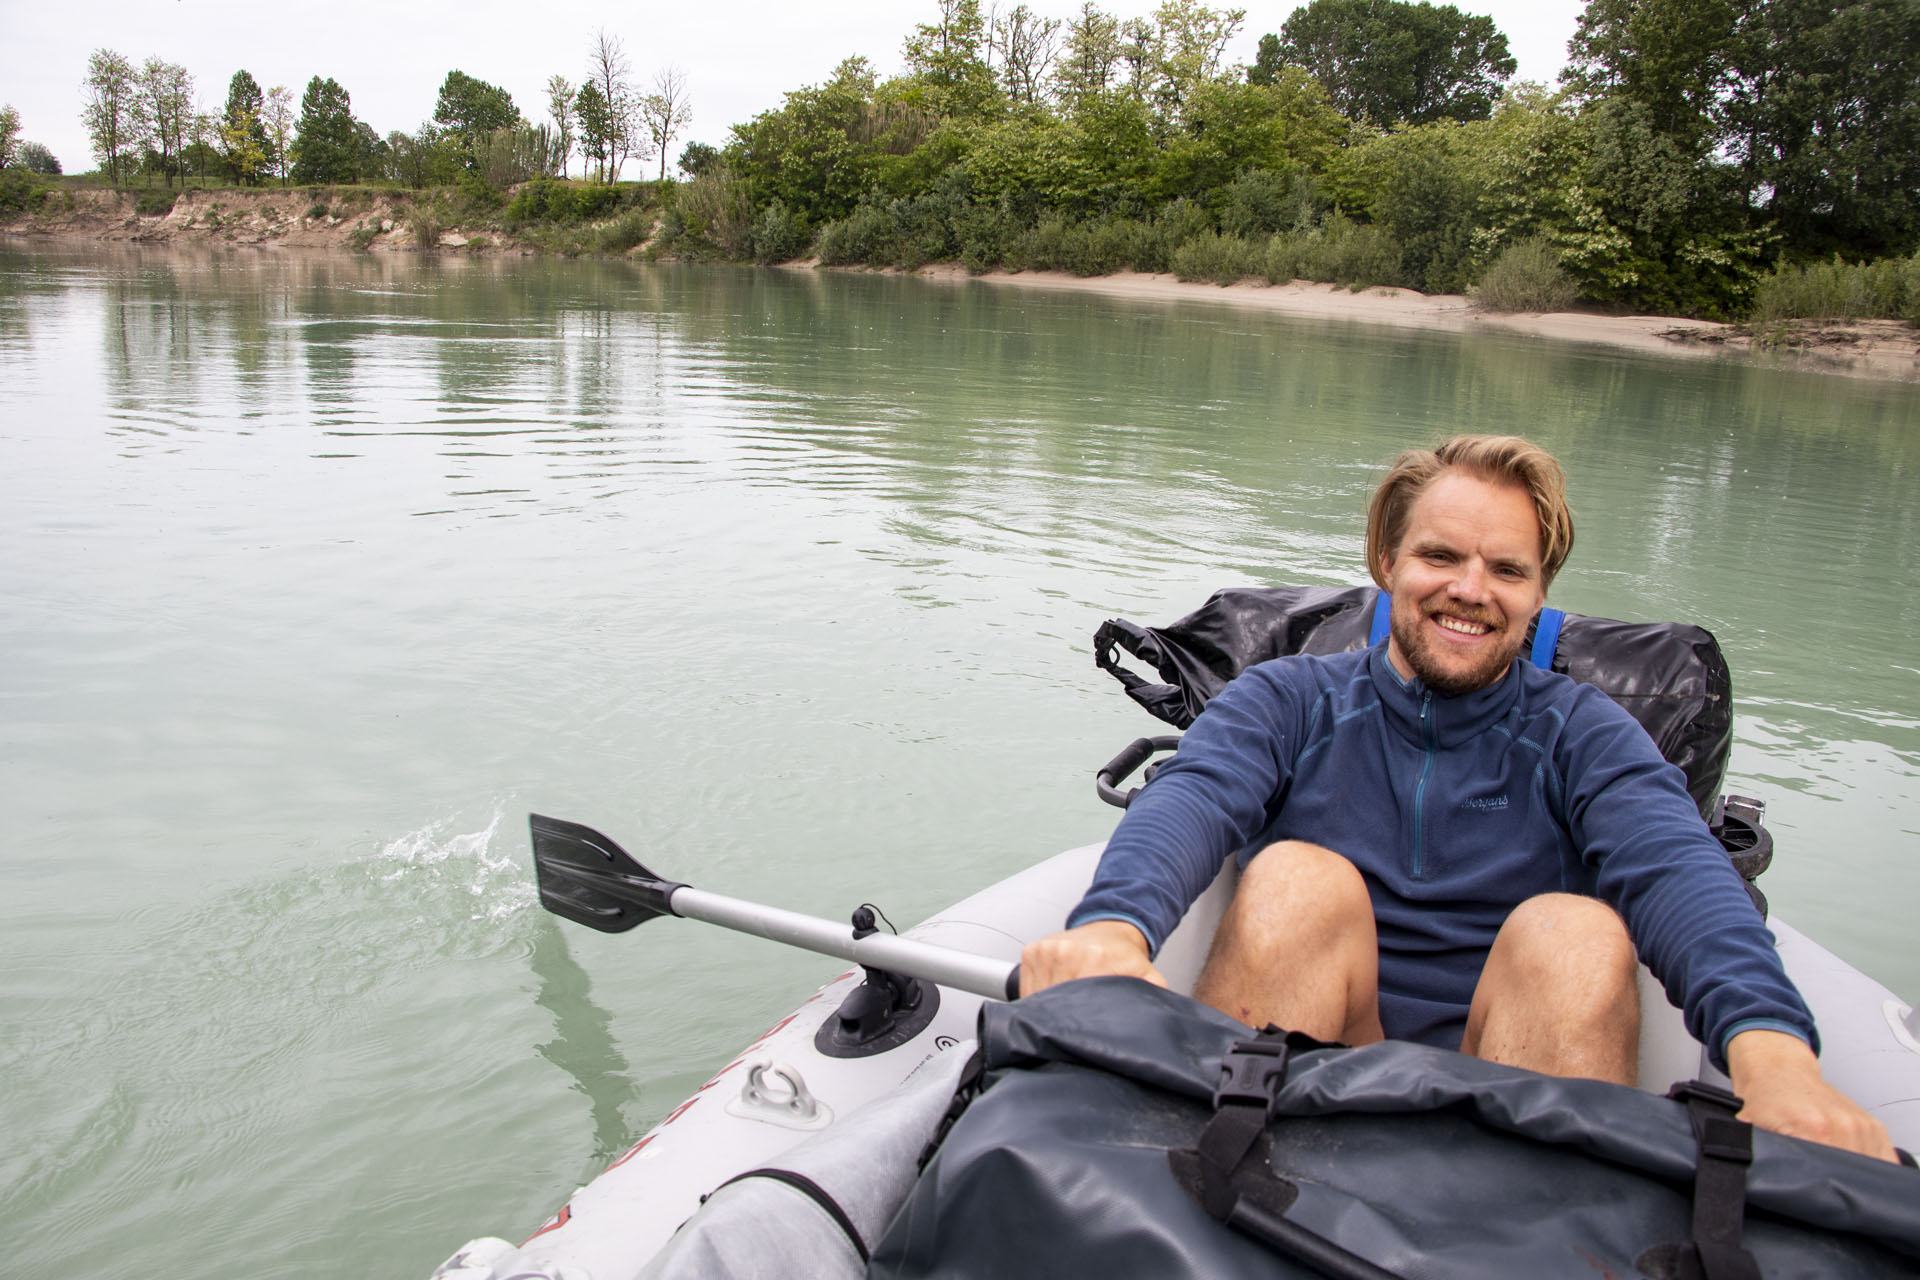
1121, 1130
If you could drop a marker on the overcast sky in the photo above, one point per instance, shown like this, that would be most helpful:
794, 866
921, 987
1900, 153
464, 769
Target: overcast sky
739, 56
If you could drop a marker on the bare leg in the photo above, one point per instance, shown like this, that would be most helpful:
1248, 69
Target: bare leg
1558, 994
1297, 947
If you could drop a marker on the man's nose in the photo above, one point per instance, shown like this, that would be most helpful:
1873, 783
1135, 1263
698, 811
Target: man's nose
1470, 583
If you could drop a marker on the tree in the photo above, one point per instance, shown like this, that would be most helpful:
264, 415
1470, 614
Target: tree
1825, 117
111, 113
276, 118
699, 158
947, 63
607, 70
1025, 45
560, 96
9, 137
596, 130
326, 143
467, 108
165, 97
817, 152
1670, 58
667, 111
35, 158
242, 129
1190, 40
369, 151
1267, 61
1091, 59
1391, 62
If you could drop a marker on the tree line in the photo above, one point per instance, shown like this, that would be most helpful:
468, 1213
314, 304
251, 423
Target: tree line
1690, 149
145, 120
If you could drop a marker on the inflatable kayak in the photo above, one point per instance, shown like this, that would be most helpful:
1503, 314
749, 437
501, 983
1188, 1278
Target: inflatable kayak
805, 1147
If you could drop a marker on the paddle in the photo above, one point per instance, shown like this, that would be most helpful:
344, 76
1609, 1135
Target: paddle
588, 879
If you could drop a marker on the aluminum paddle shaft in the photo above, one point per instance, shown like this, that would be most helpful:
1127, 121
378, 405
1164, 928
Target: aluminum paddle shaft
587, 878
961, 970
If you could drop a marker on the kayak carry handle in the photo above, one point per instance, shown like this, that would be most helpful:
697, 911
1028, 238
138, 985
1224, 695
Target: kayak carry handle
1136, 753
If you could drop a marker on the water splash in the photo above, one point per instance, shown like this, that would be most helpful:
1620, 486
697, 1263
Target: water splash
475, 863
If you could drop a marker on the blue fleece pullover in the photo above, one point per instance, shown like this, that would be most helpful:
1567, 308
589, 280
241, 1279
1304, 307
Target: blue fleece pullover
1456, 810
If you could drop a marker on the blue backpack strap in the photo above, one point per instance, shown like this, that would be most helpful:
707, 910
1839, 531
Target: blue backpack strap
1382, 609
1546, 638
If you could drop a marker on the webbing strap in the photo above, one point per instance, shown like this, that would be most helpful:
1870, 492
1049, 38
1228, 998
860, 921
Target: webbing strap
1546, 637
1719, 1180
1244, 1103
1546, 632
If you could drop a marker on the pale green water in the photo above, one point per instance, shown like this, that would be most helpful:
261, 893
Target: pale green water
316, 575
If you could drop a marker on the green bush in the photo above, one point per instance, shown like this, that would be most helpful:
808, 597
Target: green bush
551, 200
480, 199
362, 236
154, 204
1837, 290
1339, 251
21, 190
776, 234
865, 235
629, 229
1180, 222
1527, 277
1261, 202
707, 217
1222, 259
318, 209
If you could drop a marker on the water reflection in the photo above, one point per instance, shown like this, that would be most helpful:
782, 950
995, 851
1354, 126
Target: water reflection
583, 1044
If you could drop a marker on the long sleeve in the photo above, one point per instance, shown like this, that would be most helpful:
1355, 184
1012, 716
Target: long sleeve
1203, 805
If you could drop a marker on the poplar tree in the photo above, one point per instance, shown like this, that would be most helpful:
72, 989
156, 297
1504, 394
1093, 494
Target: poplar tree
667, 111
111, 113
165, 97
560, 100
277, 118
243, 129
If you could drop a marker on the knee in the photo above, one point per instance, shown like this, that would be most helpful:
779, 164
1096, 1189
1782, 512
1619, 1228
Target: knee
1304, 874
1566, 932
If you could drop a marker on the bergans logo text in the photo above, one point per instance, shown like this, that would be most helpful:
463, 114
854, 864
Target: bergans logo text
1485, 802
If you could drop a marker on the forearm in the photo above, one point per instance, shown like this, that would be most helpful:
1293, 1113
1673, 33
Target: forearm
1203, 805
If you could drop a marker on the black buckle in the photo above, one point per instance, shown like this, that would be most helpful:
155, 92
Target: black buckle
1252, 1073
1712, 1110
1725, 1099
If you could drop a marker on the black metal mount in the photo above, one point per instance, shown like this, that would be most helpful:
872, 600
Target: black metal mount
882, 1013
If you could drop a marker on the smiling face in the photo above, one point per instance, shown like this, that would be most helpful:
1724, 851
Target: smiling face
1466, 581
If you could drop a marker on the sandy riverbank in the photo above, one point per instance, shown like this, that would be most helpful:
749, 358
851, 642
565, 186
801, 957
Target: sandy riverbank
358, 219
1868, 349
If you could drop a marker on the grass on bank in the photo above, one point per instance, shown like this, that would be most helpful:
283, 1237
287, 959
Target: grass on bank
1839, 291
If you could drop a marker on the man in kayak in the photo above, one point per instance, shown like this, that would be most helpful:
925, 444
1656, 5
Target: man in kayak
1443, 843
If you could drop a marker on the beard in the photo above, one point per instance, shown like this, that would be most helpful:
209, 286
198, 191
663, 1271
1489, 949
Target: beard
1448, 674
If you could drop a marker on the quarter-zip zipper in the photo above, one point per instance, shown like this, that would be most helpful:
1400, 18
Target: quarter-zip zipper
1420, 791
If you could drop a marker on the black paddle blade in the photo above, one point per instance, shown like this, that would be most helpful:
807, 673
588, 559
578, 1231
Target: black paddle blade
588, 879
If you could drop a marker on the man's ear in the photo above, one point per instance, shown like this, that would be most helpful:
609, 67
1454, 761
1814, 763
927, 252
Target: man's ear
1386, 570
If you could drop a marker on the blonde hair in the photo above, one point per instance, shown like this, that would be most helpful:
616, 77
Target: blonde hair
1498, 459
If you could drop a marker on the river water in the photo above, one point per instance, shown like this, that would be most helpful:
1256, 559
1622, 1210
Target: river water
318, 574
